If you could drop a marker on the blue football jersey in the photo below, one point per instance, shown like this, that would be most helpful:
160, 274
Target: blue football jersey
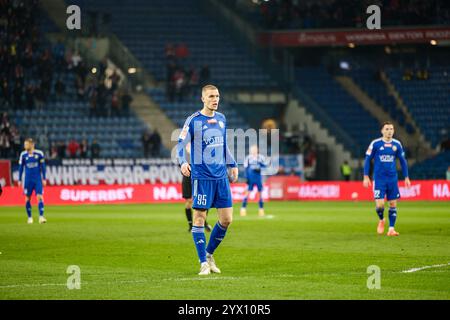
33, 164
209, 154
385, 155
253, 166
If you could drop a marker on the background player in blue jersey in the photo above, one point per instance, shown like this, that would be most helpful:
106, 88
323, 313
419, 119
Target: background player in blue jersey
32, 162
253, 164
205, 131
385, 151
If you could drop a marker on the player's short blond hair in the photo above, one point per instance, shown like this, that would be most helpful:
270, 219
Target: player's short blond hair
386, 123
29, 140
209, 87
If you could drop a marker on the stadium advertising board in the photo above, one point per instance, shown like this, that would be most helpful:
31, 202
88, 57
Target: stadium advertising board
361, 37
432, 190
5, 173
109, 172
70, 172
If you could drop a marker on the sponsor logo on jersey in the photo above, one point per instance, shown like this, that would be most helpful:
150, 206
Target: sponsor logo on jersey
387, 158
205, 127
213, 140
382, 148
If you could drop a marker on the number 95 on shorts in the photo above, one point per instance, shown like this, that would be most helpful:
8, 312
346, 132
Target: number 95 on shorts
211, 194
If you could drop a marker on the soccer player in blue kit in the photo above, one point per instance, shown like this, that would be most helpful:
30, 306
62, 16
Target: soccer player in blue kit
253, 164
32, 161
205, 131
385, 151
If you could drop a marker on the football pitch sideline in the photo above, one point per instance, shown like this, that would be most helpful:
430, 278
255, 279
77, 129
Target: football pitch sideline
301, 250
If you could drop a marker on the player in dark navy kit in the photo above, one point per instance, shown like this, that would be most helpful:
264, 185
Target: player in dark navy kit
253, 164
210, 157
385, 151
32, 162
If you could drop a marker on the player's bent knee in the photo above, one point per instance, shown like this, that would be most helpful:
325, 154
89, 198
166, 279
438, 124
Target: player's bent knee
199, 221
379, 204
393, 203
225, 221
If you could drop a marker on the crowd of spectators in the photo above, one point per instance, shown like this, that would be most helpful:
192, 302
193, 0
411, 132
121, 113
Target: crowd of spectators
151, 143
75, 150
419, 74
10, 138
34, 73
183, 80
103, 91
26, 69
315, 14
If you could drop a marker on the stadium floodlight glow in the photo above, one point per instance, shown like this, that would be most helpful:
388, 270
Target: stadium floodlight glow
344, 65
433, 42
132, 70
351, 45
94, 70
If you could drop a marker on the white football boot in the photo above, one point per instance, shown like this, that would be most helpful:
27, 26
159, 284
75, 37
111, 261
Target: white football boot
204, 269
30, 220
212, 264
42, 220
243, 212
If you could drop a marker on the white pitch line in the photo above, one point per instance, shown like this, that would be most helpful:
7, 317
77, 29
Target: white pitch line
28, 285
426, 267
201, 279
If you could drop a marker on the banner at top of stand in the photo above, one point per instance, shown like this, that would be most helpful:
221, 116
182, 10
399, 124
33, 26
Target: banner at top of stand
300, 38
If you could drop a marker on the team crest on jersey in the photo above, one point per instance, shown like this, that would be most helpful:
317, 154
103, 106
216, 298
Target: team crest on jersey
221, 124
394, 148
36, 156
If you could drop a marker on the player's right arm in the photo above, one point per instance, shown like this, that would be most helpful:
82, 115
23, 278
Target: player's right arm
183, 140
369, 156
21, 167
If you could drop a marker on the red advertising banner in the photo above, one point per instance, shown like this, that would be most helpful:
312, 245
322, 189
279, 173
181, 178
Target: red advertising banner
358, 37
432, 190
5, 172
105, 194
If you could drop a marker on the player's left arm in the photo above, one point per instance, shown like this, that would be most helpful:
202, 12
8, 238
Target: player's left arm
264, 162
21, 169
404, 164
229, 160
43, 171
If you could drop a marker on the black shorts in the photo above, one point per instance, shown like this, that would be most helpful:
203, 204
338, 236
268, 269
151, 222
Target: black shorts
186, 188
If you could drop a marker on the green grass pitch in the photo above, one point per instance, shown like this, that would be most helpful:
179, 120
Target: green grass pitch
308, 250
